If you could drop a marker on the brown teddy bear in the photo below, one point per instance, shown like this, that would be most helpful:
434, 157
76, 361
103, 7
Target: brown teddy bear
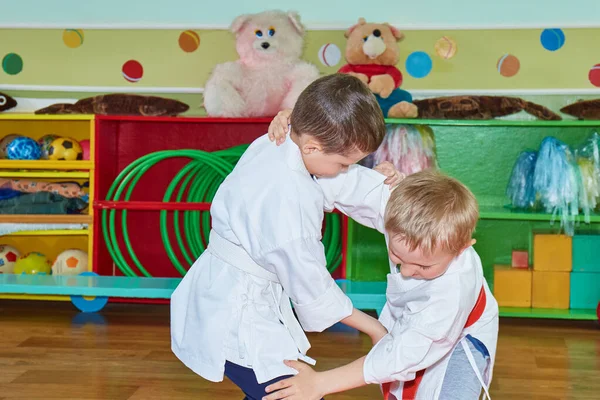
372, 54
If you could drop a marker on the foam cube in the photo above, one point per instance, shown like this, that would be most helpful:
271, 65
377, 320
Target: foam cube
551, 289
585, 290
586, 253
520, 259
552, 253
512, 286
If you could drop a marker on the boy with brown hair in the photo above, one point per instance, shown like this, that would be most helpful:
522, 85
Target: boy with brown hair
231, 313
441, 316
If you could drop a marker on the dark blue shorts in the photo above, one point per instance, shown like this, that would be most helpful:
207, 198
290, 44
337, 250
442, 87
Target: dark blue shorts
245, 379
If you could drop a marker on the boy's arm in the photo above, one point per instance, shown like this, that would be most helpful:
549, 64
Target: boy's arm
366, 324
360, 193
396, 357
318, 301
424, 338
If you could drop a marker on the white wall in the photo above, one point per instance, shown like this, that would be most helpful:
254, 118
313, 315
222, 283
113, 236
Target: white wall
315, 13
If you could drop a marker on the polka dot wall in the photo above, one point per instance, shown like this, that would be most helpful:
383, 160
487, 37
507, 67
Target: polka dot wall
474, 59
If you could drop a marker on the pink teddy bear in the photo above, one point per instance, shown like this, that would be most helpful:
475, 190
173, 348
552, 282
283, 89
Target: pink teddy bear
269, 75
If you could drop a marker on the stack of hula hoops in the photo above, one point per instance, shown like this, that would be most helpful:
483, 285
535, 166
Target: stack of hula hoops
196, 182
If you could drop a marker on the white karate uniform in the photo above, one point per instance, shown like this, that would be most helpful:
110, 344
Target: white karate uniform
425, 318
265, 245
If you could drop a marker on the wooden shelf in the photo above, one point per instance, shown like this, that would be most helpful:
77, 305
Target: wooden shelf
52, 232
45, 174
45, 219
48, 241
45, 165
42, 117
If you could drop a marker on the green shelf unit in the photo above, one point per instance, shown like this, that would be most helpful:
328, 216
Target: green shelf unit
574, 314
496, 122
371, 296
503, 213
481, 154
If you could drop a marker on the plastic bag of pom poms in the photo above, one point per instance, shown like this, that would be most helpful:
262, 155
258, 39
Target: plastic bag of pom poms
589, 193
410, 148
520, 186
556, 182
588, 161
590, 148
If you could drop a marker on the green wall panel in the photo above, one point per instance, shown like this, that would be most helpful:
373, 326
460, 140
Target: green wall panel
482, 157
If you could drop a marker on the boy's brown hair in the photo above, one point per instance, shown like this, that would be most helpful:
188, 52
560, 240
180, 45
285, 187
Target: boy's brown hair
341, 113
430, 210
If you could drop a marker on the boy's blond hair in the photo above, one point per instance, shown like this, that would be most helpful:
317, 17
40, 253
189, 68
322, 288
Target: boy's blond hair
430, 210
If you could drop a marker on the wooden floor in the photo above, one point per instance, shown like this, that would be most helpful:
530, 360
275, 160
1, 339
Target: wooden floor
49, 351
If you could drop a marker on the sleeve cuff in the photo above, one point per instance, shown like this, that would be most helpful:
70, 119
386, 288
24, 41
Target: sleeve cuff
380, 364
375, 360
332, 307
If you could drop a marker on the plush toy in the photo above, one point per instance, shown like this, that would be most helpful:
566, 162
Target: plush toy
583, 109
6, 102
120, 104
269, 75
480, 107
372, 54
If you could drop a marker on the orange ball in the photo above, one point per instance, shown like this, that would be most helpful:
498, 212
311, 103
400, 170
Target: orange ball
189, 41
508, 65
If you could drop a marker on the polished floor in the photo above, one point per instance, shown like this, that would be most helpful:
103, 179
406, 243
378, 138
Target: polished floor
49, 351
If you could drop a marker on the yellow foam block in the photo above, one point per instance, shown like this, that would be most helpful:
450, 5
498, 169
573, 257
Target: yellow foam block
552, 253
551, 289
512, 286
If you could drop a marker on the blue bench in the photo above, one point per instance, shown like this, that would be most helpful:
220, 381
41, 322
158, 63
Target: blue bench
364, 295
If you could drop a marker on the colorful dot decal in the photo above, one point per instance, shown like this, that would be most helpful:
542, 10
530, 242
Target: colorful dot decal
594, 75
508, 65
330, 55
418, 64
189, 41
73, 38
12, 64
552, 39
132, 71
445, 47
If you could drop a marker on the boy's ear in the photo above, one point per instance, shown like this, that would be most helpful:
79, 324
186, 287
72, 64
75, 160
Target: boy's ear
311, 146
471, 243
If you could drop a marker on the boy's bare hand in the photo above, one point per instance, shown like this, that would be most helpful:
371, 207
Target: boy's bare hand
278, 128
394, 176
304, 386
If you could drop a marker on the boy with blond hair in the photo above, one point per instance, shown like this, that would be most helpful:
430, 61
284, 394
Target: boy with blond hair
441, 317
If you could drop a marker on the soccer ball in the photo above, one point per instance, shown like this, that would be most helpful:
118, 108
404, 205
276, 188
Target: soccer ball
33, 263
65, 148
8, 258
70, 262
45, 142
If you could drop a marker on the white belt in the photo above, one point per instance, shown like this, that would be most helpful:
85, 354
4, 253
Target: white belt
474, 366
236, 256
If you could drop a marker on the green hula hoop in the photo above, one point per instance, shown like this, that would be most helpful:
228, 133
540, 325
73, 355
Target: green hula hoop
197, 181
